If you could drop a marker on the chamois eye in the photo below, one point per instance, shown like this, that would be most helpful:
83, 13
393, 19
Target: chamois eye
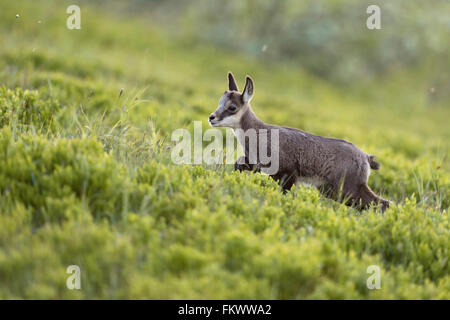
232, 108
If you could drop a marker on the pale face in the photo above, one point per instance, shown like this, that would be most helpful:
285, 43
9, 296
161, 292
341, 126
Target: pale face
229, 111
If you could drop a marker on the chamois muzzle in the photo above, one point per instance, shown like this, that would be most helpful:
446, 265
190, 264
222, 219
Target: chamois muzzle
212, 119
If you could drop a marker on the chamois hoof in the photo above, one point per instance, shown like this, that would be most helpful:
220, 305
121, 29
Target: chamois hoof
385, 205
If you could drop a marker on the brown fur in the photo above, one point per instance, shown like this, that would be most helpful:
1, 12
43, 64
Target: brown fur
339, 169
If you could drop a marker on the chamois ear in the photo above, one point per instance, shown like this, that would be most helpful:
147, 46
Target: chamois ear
247, 94
232, 86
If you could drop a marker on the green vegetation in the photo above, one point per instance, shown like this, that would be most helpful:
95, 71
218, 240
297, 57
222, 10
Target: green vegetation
328, 38
86, 177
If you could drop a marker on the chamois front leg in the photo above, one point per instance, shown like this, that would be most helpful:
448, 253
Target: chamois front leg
243, 164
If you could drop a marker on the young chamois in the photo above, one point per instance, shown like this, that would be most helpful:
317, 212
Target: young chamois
336, 167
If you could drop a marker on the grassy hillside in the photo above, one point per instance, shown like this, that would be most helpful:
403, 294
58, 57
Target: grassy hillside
86, 177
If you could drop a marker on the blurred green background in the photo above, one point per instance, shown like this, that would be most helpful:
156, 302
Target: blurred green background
327, 38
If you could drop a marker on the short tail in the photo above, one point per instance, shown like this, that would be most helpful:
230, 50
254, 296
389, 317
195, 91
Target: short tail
373, 164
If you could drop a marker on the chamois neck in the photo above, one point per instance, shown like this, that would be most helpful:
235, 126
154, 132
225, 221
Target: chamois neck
249, 120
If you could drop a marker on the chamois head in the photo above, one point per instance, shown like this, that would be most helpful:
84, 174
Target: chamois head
232, 105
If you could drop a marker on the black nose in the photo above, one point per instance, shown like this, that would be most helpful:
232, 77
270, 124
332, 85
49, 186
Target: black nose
211, 117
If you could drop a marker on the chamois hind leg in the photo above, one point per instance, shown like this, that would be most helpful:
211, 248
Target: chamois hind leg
351, 196
368, 197
349, 192
344, 193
